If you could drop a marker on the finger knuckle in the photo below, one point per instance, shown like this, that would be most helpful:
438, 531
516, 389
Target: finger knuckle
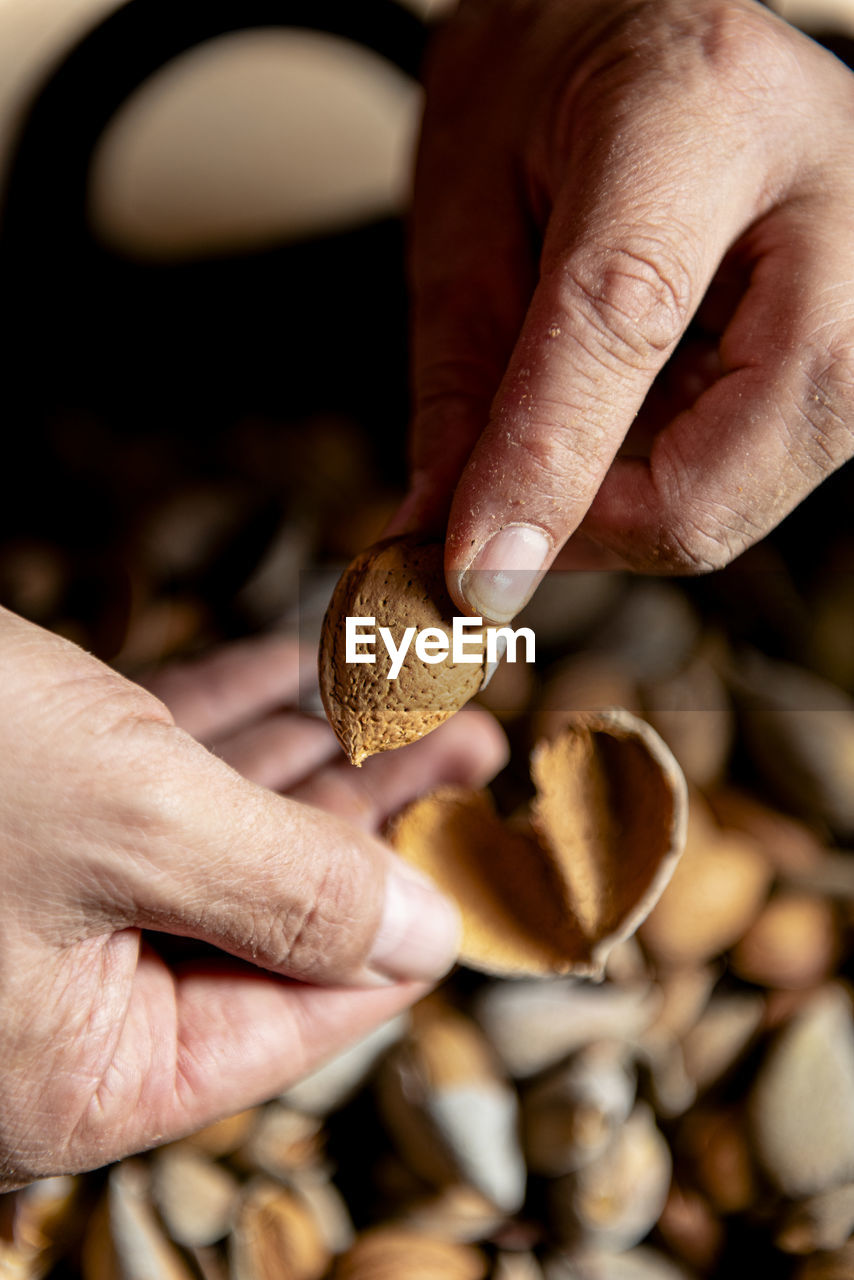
555, 458
634, 301
745, 49
699, 533
113, 731
696, 544
720, 48
827, 406
98, 698
549, 451
321, 929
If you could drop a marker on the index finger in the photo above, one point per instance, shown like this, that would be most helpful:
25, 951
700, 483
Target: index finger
650, 201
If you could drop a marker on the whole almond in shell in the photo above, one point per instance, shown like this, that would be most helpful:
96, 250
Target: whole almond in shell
401, 583
555, 896
718, 890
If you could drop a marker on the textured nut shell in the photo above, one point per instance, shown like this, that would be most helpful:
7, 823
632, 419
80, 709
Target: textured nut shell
610, 821
401, 583
276, 1234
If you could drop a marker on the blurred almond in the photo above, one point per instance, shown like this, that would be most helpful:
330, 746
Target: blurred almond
793, 943
226, 1135
516, 1266
802, 1104
715, 1144
282, 1140
716, 892
691, 1228
125, 1239
799, 730
653, 631
453, 1116
836, 1265
327, 1206
457, 1213
613, 1202
571, 1115
791, 847
393, 1253
40, 1221
721, 1035
276, 1237
820, 1222
533, 1025
642, 1263
685, 993
584, 682
194, 1197
692, 711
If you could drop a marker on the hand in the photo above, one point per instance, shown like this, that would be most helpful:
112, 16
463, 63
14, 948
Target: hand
633, 275
114, 820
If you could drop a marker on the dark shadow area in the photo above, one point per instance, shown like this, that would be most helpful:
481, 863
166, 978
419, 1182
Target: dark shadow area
123, 380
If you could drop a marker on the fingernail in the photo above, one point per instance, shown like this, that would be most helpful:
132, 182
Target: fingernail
419, 934
504, 573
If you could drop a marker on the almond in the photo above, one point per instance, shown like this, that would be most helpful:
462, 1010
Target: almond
554, 895
401, 583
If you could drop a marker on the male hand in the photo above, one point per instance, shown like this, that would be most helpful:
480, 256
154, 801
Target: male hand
594, 178
114, 820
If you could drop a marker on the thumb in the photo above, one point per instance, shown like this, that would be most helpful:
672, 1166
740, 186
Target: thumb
637, 231
273, 881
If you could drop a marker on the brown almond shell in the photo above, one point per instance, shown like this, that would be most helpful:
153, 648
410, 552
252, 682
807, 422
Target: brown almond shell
397, 1253
401, 583
608, 825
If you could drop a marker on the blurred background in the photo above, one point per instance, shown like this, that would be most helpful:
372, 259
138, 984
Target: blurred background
204, 328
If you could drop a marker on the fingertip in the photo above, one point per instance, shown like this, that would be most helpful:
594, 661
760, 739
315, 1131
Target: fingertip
419, 934
504, 571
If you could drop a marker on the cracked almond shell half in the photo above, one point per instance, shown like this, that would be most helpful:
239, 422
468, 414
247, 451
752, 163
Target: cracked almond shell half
556, 894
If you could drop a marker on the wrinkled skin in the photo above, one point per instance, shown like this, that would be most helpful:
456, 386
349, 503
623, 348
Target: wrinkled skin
113, 820
594, 176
